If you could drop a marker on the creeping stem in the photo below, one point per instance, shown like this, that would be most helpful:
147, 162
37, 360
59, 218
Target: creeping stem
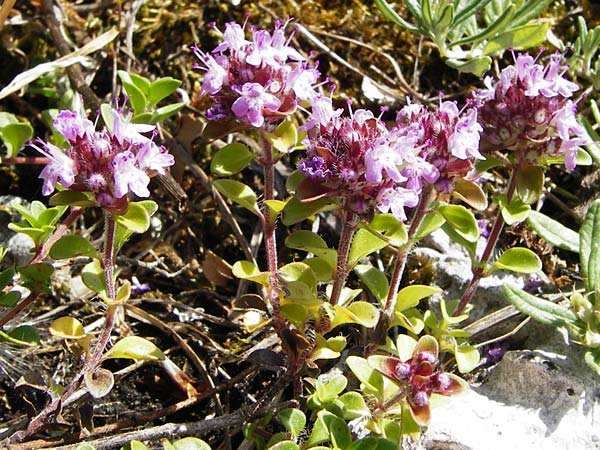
480, 269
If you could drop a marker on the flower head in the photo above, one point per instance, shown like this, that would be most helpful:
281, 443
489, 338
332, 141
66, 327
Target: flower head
109, 163
255, 81
420, 376
528, 111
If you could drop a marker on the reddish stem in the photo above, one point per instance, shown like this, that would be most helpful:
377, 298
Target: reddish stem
349, 223
479, 270
26, 160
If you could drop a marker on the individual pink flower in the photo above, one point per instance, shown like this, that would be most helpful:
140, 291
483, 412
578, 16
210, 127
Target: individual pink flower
60, 168
252, 100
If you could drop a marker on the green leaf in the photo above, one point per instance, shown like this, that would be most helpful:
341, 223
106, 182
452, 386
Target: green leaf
136, 96
136, 348
369, 377
328, 388
293, 420
296, 211
71, 246
162, 113
9, 299
297, 272
160, 89
321, 432
375, 280
589, 251
247, 270
136, 219
15, 136
461, 220
25, 335
530, 182
133, 221
239, 193
471, 193
362, 313
477, 66
543, 311
410, 296
388, 12
526, 36
431, 222
92, 276
313, 243
190, 443
285, 136
592, 359
514, 212
284, 445
71, 198
36, 277
354, 405
67, 327
387, 227
363, 244
230, 159
554, 232
467, 358
6, 277
518, 259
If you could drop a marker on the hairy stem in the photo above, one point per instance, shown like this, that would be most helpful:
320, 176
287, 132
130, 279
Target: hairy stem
270, 238
390, 304
479, 270
349, 223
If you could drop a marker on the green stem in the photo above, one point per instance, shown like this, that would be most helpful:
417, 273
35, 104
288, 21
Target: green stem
349, 223
479, 270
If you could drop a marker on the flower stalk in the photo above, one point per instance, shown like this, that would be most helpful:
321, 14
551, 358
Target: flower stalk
479, 270
349, 224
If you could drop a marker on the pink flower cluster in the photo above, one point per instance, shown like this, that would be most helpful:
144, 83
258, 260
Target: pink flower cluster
108, 163
367, 165
528, 111
420, 376
256, 81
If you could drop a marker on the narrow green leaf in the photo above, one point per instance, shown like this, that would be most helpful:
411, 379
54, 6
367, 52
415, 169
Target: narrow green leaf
554, 232
410, 296
543, 311
160, 89
592, 359
71, 246
25, 335
518, 259
239, 193
136, 348
230, 159
142, 83
164, 112
589, 254
388, 12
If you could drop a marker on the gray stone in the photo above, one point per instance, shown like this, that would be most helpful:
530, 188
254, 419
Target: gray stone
545, 398
19, 245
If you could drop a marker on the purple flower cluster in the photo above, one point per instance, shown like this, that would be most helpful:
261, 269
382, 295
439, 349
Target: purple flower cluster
358, 159
256, 81
108, 163
528, 111
420, 376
